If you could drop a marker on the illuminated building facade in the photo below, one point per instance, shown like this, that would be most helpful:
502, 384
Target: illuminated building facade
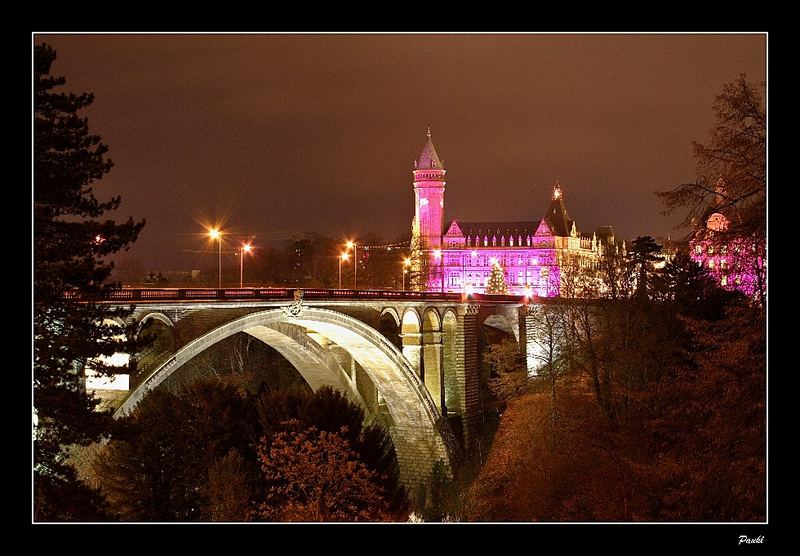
460, 256
736, 262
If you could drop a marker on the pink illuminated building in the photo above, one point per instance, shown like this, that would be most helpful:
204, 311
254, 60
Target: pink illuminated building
737, 262
459, 256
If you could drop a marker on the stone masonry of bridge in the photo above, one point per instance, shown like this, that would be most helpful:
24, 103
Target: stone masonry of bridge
411, 363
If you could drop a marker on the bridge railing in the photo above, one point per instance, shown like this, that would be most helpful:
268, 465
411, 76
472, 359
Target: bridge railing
239, 294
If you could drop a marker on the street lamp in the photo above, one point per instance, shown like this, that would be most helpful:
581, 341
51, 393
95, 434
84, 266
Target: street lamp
246, 248
352, 245
216, 234
438, 255
342, 257
406, 266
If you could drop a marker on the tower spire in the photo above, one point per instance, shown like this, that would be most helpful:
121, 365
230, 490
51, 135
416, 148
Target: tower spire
428, 159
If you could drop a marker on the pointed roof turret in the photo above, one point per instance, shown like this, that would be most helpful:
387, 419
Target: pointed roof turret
428, 159
557, 217
721, 206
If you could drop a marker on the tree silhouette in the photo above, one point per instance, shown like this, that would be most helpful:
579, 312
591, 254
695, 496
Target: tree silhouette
70, 243
642, 255
737, 150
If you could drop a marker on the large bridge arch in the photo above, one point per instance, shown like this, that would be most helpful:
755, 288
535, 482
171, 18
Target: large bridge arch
414, 414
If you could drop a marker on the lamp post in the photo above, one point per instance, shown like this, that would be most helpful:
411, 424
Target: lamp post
406, 266
342, 257
438, 255
216, 234
352, 245
246, 248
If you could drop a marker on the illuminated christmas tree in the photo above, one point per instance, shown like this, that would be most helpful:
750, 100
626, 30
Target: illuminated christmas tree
497, 281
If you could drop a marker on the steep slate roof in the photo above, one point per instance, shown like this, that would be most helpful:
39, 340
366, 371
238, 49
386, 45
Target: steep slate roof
557, 218
428, 159
499, 229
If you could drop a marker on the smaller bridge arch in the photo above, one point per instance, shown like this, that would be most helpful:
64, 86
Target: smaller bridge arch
432, 355
452, 362
411, 335
390, 326
154, 315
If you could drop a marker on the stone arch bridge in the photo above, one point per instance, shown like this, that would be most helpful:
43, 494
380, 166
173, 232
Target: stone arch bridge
409, 358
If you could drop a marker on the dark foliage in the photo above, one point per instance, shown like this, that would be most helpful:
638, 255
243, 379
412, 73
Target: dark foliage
192, 455
70, 243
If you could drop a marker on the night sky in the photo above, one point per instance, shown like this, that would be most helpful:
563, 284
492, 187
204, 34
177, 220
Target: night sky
282, 134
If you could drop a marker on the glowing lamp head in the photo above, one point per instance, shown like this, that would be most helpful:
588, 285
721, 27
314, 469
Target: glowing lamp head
437, 253
493, 260
247, 247
214, 233
407, 262
345, 256
350, 244
557, 191
528, 291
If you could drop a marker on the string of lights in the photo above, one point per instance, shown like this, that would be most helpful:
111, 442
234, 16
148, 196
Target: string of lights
388, 246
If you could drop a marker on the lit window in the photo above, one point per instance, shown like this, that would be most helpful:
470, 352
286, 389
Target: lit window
724, 249
724, 281
699, 250
710, 264
723, 263
710, 249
